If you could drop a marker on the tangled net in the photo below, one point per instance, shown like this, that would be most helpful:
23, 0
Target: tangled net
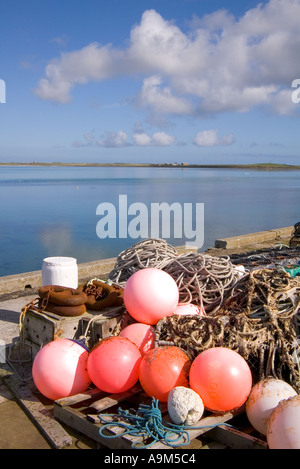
149, 253
259, 319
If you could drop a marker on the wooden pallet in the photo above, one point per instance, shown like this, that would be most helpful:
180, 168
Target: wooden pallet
81, 412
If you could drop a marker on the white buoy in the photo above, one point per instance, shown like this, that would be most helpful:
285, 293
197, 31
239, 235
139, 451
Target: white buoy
185, 406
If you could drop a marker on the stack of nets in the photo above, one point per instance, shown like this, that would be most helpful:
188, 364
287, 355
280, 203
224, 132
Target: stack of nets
259, 318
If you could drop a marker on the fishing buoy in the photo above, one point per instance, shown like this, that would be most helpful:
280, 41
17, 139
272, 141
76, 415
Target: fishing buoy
185, 406
264, 397
113, 364
162, 369
150, 294
142, 335
222, 378
184, 309
284, 425
60, 369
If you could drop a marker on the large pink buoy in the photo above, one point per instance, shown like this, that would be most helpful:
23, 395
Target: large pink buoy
150, 294
60, 369
222, 378
113, 364
162, 369
142, 335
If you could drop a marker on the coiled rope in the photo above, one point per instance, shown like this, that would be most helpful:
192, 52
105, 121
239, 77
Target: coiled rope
152, 252
147, 422
202, 279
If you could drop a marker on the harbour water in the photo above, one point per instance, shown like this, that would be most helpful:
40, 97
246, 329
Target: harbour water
52, 211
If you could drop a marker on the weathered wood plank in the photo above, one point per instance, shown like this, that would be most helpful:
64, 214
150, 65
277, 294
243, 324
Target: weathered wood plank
236, 439
114, 399
73, 418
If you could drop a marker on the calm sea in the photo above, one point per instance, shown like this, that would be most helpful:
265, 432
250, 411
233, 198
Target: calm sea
51, 211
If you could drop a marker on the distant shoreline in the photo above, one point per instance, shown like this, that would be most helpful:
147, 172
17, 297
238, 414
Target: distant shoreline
262, 166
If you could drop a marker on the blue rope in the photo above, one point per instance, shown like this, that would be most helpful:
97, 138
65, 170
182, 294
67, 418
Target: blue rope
147, 422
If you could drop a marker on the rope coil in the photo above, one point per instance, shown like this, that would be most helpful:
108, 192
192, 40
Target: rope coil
202, 279
147, 422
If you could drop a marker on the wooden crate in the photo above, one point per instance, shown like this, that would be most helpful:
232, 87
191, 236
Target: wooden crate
41, 327
81, 412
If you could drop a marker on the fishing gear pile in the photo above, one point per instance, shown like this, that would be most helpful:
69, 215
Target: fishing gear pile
259, 319
202, 279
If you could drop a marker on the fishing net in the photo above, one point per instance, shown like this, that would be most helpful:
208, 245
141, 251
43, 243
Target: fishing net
259, 319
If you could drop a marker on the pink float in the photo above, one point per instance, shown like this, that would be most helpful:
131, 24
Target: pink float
142, 335
60, 369
222, 378
162, 369
113, 364
150, 294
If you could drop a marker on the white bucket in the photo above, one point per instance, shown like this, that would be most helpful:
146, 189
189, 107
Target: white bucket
61, 271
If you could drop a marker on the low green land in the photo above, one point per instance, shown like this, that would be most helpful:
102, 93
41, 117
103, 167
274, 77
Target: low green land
262, 166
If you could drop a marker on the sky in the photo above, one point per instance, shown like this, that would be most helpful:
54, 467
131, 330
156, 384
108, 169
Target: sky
194, 81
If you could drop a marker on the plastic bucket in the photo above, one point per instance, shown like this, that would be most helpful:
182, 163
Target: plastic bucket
61, 271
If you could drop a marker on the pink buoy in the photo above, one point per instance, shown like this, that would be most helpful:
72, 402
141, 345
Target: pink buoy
184, 309
162, 369
113, 364
142, 335
60, 369
222, 378
150, 294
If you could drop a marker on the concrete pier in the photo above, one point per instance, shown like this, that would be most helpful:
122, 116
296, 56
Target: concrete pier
16, 291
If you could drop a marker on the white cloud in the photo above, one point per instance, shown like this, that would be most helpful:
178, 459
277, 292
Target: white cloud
163, 139
120, 139
158, 138
209, 138
142, 139
91, 63
161, 99
223, 64
110, 140
114, 139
